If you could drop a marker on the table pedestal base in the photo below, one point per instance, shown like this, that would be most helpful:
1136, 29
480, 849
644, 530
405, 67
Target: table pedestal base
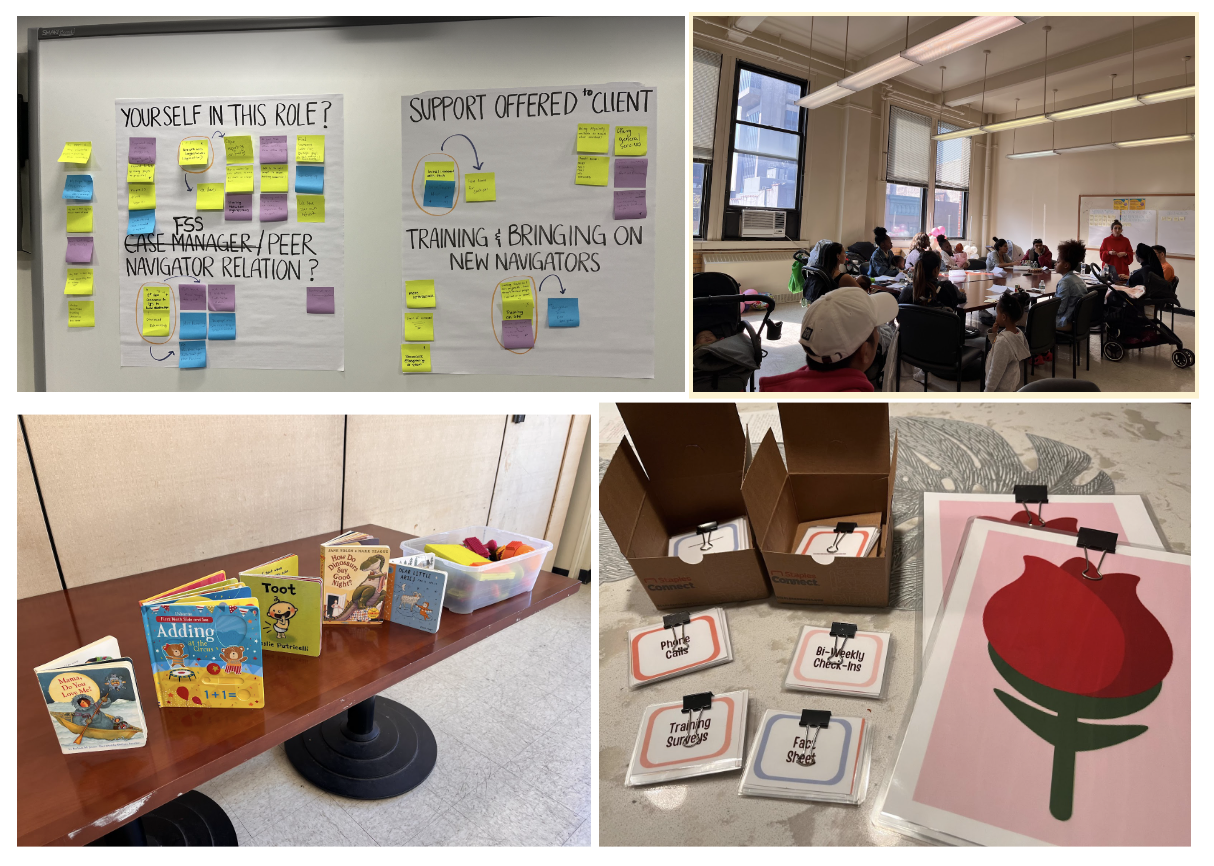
376, 749
192, 819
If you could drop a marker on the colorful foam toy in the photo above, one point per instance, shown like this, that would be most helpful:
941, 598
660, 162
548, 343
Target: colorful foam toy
456, 553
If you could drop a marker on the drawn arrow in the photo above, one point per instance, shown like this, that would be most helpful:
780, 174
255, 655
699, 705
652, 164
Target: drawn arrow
186, 175
165, 358
217, 132
540, 287
477, 165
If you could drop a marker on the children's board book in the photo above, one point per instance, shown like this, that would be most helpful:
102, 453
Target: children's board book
92, 699
417, 594
204, 640
290, 606
354, 567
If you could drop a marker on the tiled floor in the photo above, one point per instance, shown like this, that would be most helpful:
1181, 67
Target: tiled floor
512, 718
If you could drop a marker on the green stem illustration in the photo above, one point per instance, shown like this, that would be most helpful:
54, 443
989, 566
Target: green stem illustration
1062, 781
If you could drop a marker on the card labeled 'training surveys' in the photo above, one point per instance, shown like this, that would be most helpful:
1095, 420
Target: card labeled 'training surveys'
674, 744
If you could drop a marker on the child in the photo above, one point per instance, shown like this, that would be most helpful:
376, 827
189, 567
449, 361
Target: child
1008, 346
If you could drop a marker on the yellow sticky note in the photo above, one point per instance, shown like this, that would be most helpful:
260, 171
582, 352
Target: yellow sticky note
76, 151
194, 151
156, 299
310, 208
209, 197
419, 294
593, 137
309, 148
79, 281
140, 173
240, 178
517, 300
480, 187
592, 170
274, 178
239, 148
440, 171
631, 140
80, 314
419, 327
141, 196
79, 217
156, 323
414, 358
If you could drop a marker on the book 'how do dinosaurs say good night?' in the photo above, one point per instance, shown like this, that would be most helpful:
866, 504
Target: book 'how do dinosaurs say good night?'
354, 568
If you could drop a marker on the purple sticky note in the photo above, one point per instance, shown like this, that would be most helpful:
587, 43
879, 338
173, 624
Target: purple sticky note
193, 296
273, 207
239, 206
630, 204
320, 299
273, 149
142, 151
517, 334
79, 250
222, 299
631, 173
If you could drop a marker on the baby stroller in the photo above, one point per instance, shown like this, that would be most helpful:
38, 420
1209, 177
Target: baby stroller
729, 362
1127, 325
816, 281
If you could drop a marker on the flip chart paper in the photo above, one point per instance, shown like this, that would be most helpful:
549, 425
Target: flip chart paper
630, 204
592, 170
631, 173
440, 171
192, 296
209, 197
419, 294
239, 148
480, 187
222, 326
193, 353
309, 148
78, 187
563, 313
439, 193
517, 334
80, 314
414, 358
310, 179
419, 327
239, 178
273, 149
194, 152
141, 151
517, 300
310, 208
79, 281
273, 207
140, 222
193, 326
238, 207
80, 218
76, 151
221, 299
139, 173
79, 250
274, 178
141, 196
593, 137
631, 140
320, 299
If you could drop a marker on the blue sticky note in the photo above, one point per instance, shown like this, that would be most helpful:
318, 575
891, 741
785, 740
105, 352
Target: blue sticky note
78, 187
193, 353
141, 222
193, 326
223, 326
310, 179
563, 313
439, 193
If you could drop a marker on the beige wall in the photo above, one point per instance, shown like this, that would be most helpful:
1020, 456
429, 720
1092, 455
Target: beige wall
36, 569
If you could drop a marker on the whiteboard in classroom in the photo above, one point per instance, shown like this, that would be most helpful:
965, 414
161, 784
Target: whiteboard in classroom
1147, 219
75, 83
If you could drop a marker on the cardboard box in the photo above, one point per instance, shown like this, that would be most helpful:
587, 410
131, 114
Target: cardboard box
838, 463
695, 458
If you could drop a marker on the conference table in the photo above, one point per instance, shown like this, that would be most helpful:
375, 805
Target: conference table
981, 288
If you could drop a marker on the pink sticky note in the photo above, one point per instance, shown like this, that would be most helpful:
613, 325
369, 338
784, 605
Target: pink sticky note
142, 151
320, 299
222, 298
273, 149
273, 207
630, 204
631, 173
517, 334
239, 206
79, 250
193, 296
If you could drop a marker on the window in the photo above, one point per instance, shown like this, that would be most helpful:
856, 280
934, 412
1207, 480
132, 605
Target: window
701, 175
907, 172
904, 209
705, 79
952, 182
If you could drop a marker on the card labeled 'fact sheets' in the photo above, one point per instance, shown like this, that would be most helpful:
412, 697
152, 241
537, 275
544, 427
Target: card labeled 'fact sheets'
795, 762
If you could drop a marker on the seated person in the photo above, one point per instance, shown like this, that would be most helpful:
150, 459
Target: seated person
1071, 287
830, 258
947, 262
1169, 273
841, 337
1149, 274
999, 256
883, 262
1008, 346
927, 289
919, 244
1038, 255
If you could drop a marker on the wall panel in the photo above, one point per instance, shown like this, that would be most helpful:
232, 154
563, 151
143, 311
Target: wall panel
36, 571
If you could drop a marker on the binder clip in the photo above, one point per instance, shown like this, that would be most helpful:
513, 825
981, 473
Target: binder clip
1028, 493
1095, 539
693, 704
841, 529
845, 630
816, 719
706, 530
673, 620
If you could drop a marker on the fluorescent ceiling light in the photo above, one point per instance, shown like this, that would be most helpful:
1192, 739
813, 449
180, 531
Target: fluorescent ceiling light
962, 36
959, 133
1108, 145
1032, 154
1095, 108
1032, 120
878, 72
825, 96
1168, 95
1167, 139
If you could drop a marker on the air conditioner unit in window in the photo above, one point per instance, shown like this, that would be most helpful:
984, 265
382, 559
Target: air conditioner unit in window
763, 223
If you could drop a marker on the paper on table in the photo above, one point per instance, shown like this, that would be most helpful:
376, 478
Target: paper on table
855, 666
222, 326
631, 140
517, 300
139, 173
517, 334
630, 204
221, 299
593, 137
419, 327
140, 222
79, 281
140, 196
631, 173
563, 313
238, 207
80, 314
192, 296
273, 207
239, 148
209, 196
78, 187
193, 353
657, 653
273, 149
193, 326
592, 170
76, 151
310, 179
239, 178
194, 151
320, 299
439, 193
480, 187
309, 148
141, 151
414, 358
419, 294
80, 218
79, 250
310, 208
440, 171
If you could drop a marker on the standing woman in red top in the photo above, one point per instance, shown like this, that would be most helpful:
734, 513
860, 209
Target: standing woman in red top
1117, 251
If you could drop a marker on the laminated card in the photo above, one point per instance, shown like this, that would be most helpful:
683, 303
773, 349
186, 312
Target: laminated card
677, 743
794, 762
837, 664
659, 653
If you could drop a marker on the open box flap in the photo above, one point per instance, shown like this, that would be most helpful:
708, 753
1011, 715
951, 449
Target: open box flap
621, 494
677, 440
836, 437
764, 482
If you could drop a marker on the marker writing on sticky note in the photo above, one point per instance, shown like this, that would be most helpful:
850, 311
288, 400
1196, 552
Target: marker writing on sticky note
593, 137
193, 326
209, 197
273, 207
273, 178
141, 151
79, 217
630, 204
309, 148
517, 300
310, 179
414, 358
518, 334
140, 222
310, 208
273, 149
440, 171
76, 151
419, 294
239, 178
592, 170
80, 314
78, 187
563, 313
320, 299
419, 327
193, 353
238, 207
631, 140
156, 298
239, 148
192, 296
156, 323
439, 193
480, 187
221, 299
222, 326
141, 196
79, 281
194, 151
79, 250
630, 173
139, 173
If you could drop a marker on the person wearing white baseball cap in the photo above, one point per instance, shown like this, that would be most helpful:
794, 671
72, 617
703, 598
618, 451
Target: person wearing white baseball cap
840, 337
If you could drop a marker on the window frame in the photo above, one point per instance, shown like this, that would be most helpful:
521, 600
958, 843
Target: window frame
922, 206
701, 231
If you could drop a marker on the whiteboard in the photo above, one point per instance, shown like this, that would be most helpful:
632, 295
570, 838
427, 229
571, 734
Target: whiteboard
1142, 226
74, 85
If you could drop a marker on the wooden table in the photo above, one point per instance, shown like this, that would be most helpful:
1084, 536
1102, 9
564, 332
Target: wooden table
74, 799
977, 285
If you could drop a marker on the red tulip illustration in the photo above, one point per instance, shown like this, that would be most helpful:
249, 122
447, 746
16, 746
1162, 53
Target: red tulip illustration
1084, 648
1066, 524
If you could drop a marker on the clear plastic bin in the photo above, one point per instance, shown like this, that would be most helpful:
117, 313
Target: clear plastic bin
471, 587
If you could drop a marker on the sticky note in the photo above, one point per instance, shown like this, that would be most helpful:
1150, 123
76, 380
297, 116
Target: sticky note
76, 151
79, 250
239, 179
631, 140
193, 326
209, 197
239, 148
593, 137
223, 326
592, 170
193, 353
563, 313
440, 171
630, 204
192, 296
194, 151
517, 334
79, 281
138, 173
320, 299
238, 207
439, 193
221, 299
310, 208
80, 314
78, 187
517, 300
140, 196
273, 207
273, 149
419, 327
309, 148
419, 294
310, 179
631, 173
141, 222
480, 187
156, 299
156, 323
141, 151
414, 358
274, 178
79, 217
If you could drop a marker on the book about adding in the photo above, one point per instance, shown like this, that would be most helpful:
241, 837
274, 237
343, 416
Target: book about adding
204, 640
354, 568
92, 699
417, 593
290, 606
